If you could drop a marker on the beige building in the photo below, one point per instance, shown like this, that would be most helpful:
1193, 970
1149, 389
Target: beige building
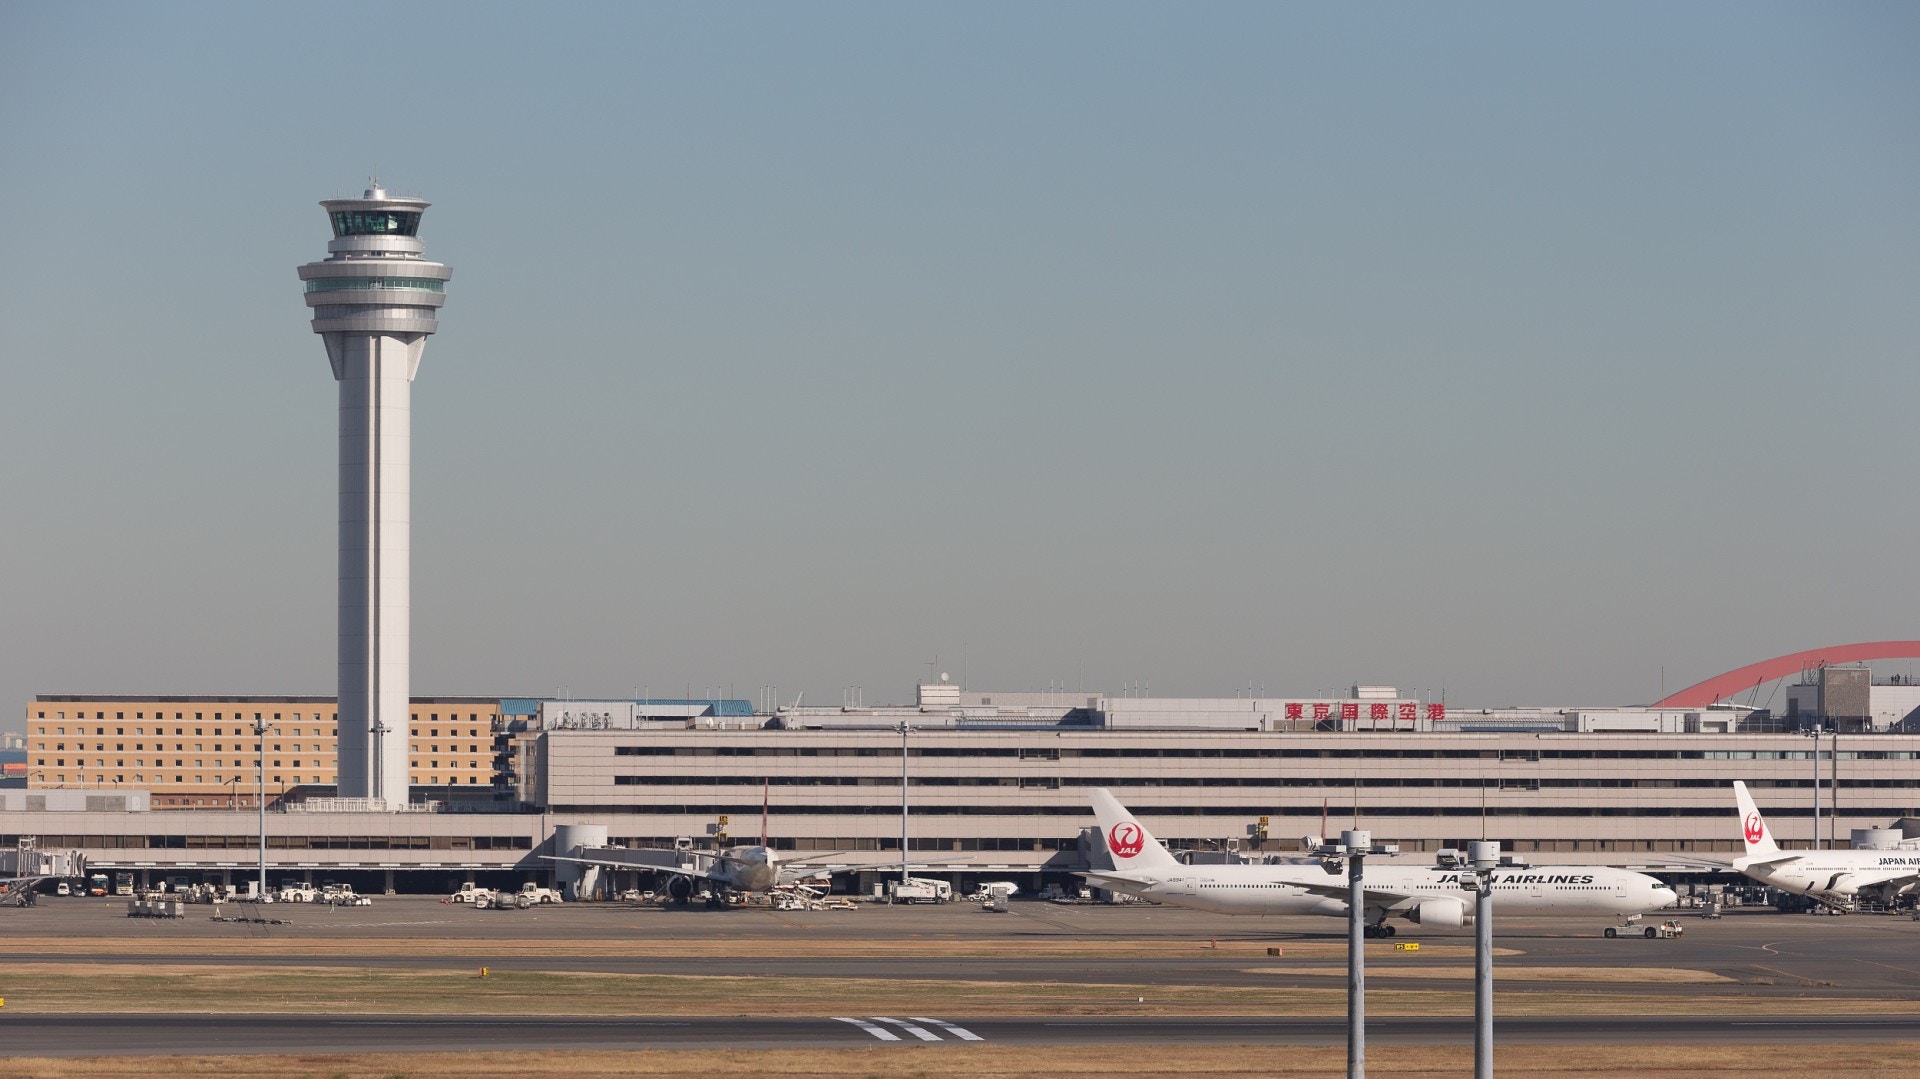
204, 752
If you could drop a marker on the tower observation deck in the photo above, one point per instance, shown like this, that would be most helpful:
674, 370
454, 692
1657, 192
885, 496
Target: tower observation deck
375, 298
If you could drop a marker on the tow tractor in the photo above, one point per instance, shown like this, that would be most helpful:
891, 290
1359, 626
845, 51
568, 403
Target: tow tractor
1631, 924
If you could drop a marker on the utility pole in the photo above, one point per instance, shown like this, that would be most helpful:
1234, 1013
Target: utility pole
905, 865
1353, 848
260, 801
1485, 858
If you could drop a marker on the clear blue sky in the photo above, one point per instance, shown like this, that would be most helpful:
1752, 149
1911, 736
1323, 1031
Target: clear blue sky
1520, 350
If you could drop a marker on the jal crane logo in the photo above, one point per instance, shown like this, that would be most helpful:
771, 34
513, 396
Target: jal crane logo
1127, 839
1754, 829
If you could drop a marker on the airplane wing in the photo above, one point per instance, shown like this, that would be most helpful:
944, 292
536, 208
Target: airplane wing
1336, 888
636, 858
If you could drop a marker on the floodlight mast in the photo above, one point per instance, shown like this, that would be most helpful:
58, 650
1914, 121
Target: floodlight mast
1353, 848
1485, 858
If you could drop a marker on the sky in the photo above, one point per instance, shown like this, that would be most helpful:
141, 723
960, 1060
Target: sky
1507, 353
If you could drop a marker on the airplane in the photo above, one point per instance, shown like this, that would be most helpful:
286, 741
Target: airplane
1425, 896
1832, 877
739, 869
749, 869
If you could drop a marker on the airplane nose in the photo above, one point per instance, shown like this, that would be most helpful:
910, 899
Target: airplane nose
1665, 896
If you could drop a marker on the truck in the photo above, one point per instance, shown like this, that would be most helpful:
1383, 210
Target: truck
497, 900
919, 890
993, 897
1630, 926
342, 895
468, 893
295, 892
534, 893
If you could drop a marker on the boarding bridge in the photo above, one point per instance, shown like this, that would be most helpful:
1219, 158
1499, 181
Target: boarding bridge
24, 865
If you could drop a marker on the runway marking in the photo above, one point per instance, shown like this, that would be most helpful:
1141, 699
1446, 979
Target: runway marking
962, 1033
883, 1035
922, 1033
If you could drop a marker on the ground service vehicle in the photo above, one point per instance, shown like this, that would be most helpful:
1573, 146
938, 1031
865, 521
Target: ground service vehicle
536, 894
1630, 926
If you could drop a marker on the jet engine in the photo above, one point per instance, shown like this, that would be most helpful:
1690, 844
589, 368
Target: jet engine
1446, 913
680, 889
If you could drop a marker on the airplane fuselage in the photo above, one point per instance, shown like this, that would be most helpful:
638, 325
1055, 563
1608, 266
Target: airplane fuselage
1834, 874
1266, 889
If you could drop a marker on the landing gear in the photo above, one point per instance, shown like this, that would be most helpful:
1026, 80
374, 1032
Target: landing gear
1378, 929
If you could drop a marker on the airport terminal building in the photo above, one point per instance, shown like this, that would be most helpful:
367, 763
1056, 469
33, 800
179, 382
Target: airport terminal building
995, 782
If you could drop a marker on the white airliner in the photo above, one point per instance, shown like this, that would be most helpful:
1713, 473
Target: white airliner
1833, 877
1421, 894
744, 869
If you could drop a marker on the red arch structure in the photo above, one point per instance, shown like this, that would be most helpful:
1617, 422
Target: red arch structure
1720, 687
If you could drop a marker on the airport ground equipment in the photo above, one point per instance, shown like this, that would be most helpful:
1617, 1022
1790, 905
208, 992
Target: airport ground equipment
495, 900
919, 890
1630, 927
534, 893
153, 906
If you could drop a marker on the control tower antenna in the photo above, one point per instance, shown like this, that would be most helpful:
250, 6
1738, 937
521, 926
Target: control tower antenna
375, 299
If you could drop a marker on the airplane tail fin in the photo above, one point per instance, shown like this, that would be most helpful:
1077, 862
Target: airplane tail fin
1132, 846
1753, 827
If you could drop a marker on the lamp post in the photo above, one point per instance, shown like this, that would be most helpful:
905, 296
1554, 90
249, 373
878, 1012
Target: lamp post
260, 729
905, 864
1815, 735
1353, 848
379, 729
1484, 857
1833, 789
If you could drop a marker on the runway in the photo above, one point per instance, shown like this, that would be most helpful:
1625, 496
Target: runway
149, 1034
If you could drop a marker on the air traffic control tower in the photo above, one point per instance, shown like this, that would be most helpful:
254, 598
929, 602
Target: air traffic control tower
374, 301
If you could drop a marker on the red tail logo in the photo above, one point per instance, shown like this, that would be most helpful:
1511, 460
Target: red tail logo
1755, 830
1127, 839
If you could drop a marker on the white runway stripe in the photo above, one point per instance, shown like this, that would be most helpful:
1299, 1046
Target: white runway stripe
878, 1032
922, 1033
962, 1033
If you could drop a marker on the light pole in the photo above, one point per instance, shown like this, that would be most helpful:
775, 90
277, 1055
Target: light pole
1833, 789
260, 729
905, 865
378, 730
1815, 735
1484, 858
1354, 846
